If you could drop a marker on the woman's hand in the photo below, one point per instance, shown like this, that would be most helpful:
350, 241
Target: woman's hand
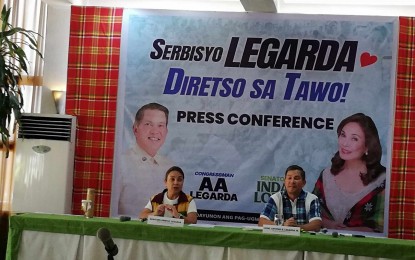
172, 209
160, 210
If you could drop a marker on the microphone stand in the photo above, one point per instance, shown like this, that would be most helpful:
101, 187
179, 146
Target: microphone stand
111, 252
105, 236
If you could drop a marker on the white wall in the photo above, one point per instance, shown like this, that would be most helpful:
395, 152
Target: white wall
56, 47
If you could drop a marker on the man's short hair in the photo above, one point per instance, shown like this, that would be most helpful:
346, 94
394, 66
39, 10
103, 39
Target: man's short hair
151, 106
296, 168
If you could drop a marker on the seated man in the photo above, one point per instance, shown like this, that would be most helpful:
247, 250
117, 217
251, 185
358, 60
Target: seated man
297, 207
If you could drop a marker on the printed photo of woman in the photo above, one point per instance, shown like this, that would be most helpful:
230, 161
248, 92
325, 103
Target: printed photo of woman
352, 189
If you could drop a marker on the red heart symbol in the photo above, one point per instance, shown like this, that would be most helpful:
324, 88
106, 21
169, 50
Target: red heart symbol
366, 59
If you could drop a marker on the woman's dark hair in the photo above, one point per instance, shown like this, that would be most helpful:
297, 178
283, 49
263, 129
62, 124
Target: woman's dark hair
174, 168
372, 142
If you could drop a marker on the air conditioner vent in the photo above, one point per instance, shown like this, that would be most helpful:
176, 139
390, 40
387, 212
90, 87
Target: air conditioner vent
46, 127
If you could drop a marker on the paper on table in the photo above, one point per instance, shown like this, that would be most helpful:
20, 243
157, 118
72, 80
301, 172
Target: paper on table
202, 225
251, 228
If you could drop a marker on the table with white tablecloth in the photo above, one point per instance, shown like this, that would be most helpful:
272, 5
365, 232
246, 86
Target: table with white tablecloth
48, 236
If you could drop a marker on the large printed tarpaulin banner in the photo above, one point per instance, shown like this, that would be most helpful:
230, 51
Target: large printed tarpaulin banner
248, 95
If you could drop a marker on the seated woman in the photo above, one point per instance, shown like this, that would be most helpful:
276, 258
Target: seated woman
172, 202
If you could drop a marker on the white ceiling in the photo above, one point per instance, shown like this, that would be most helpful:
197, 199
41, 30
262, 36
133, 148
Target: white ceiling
349, 7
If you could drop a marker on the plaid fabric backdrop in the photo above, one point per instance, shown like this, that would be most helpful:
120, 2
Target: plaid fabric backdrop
402, 194
93, 64
94, 48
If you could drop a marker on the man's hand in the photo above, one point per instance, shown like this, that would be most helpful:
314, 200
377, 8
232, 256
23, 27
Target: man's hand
290, 222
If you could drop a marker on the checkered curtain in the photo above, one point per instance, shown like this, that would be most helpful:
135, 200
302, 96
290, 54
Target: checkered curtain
94, 49
402, 194
92, 92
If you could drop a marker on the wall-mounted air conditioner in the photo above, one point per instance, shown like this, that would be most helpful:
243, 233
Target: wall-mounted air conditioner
43, 166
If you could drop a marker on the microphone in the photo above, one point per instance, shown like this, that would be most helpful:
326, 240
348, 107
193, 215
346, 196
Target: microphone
125, 218
350, 235
336, 234
105, 236
324, 233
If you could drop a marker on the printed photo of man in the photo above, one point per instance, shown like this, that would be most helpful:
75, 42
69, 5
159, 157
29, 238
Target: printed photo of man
141, 168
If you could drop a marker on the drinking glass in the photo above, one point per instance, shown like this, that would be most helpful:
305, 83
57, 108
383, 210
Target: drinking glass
88, 208
279, 219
